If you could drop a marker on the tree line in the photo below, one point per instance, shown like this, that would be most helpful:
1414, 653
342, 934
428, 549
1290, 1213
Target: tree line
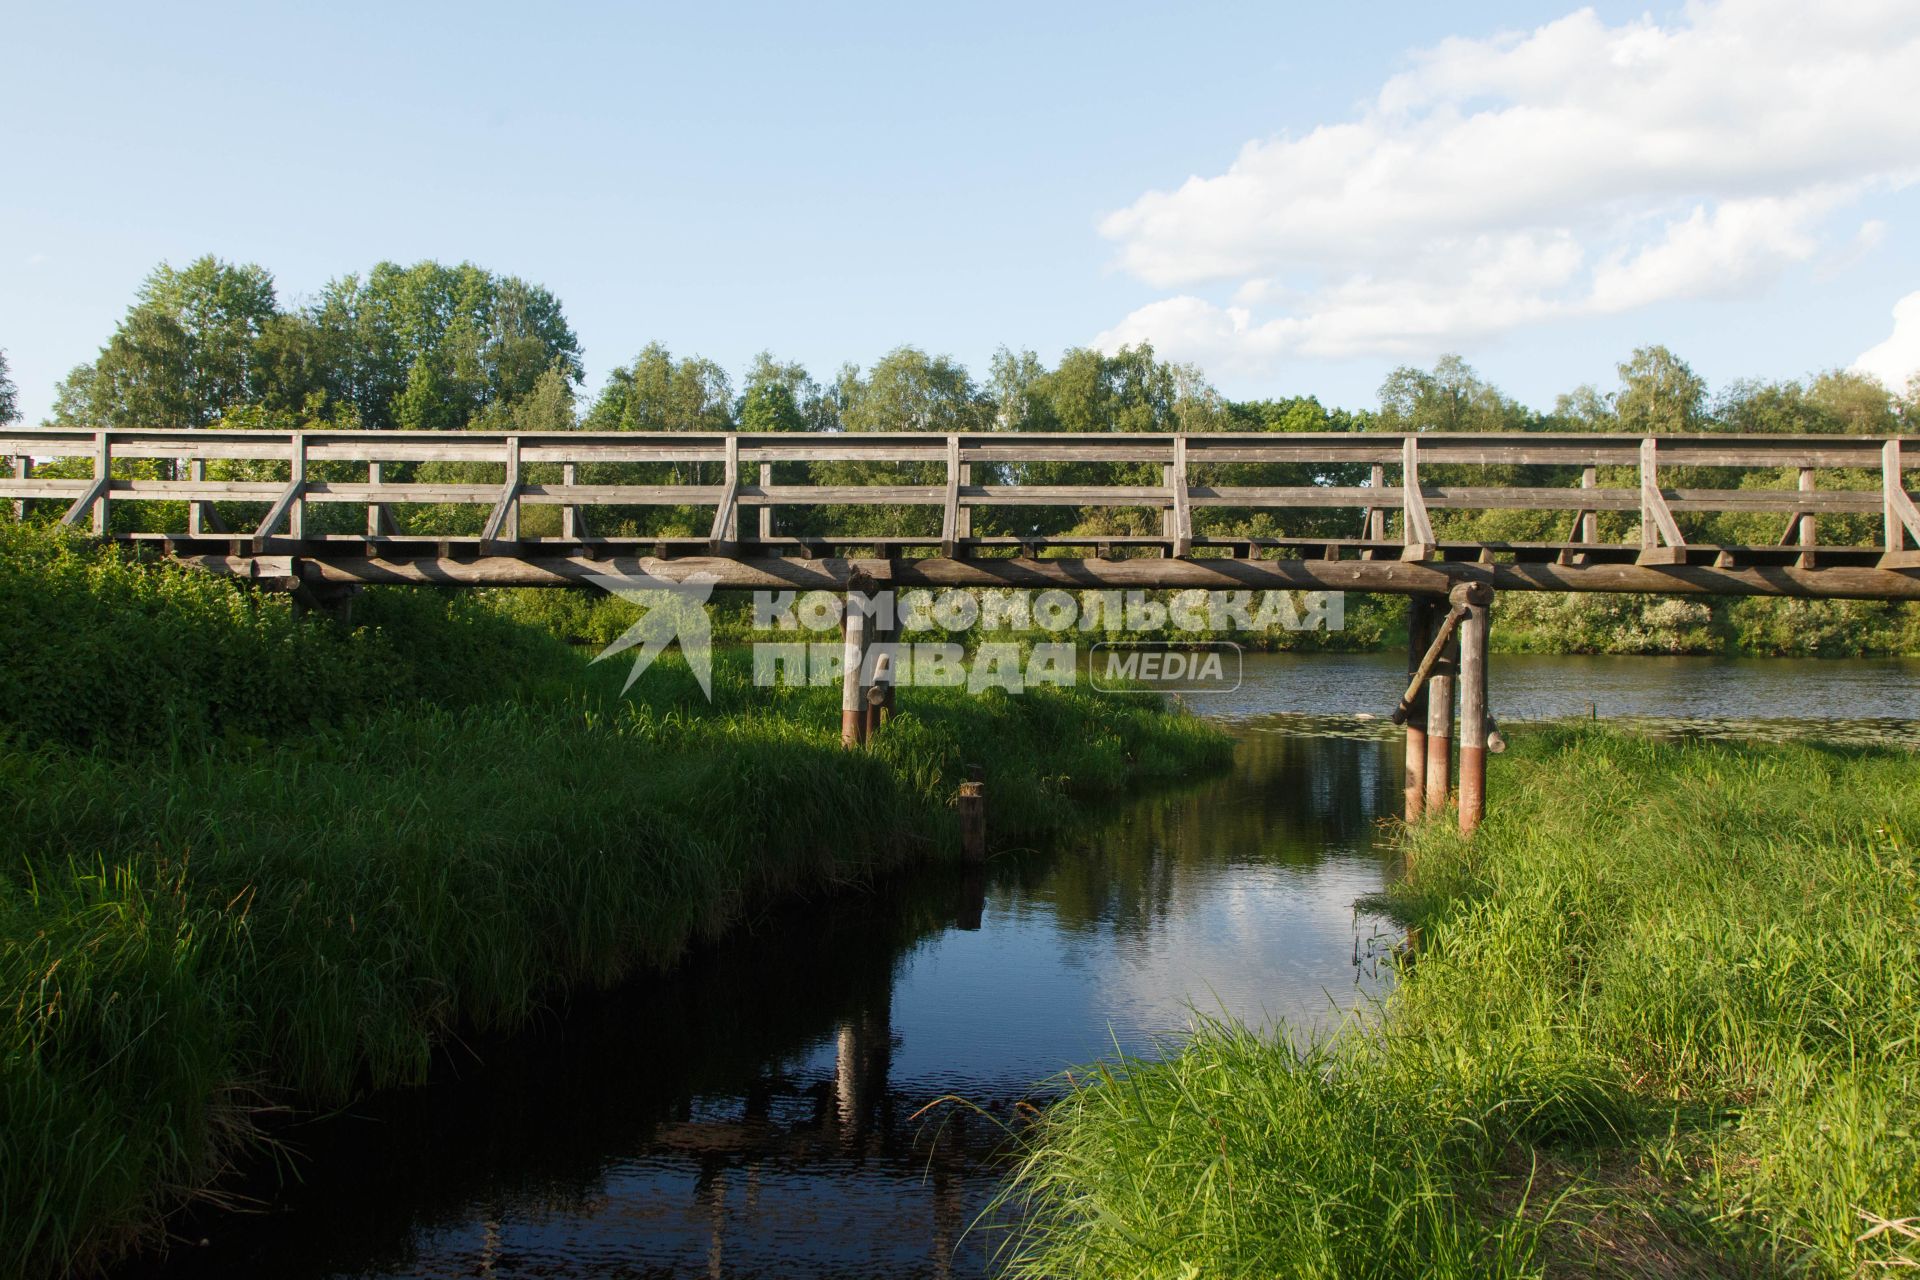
436, 347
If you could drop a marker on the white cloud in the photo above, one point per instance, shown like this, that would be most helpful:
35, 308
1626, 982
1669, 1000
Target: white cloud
1573, 169
1898, 358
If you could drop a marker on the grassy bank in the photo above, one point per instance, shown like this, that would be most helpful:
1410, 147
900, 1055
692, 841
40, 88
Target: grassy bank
254, 862
1664, 1020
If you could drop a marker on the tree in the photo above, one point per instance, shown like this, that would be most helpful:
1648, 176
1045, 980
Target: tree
187, 352
1659, 394
9, 395
908, 390
432, 346
783, 397
1450, 398
658, 393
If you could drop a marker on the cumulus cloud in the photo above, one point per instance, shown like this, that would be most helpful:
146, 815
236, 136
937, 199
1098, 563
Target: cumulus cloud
1898, 358
1575, 169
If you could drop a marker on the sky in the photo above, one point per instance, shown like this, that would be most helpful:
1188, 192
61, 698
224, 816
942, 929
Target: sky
1298, 198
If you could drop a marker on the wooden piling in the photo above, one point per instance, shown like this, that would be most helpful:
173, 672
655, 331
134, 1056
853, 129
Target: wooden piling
1474, 721
853, 658
1439, 777
973, 817
1419, 617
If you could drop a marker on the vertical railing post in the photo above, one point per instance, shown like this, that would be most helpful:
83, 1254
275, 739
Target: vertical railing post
1892, 482
730, 480
297, 513
1477, 597
1589, 518
510, 529
1377, 513
22, 470
379, 521
766, 508
1419, 635
196, 509
1807, 529
569, 513
102, 475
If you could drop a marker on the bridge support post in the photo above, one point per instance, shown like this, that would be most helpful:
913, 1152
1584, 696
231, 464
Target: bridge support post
857, 627
1440, 729
1419, 629
1478, 599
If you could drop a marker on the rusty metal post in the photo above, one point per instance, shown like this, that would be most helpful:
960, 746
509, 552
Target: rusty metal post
1474, 721
1419, 620
1440, 730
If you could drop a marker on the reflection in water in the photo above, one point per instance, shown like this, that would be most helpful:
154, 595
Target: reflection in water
764, 1111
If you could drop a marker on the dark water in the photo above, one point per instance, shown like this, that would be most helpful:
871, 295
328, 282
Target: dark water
774, 1108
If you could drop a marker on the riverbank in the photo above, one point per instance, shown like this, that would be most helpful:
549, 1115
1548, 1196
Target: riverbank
257, 863
1662, 1021
1525, 623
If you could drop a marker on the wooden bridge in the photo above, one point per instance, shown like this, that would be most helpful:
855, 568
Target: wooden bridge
1386, 485
294, 485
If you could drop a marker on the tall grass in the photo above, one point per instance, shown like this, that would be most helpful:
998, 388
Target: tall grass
391, 833
1664, 1019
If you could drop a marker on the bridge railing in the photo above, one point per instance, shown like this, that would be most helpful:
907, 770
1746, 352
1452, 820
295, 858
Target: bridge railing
1375, 475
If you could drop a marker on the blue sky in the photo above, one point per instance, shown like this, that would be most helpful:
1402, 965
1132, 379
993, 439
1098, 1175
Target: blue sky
828, 182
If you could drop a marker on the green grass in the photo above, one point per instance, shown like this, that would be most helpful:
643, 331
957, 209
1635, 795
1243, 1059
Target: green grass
1664, 1020
218, 913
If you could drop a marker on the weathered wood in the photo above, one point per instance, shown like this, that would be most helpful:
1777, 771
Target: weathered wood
22, 471
1589, 530
971, 805
766, 512
297, 468
1376, 509
1416, 530
503, 522
1899, 513
1440, 691
1181, 528
1419, 630
726, 512
950, 514
1473, 598
1806, 522
196, 510
1431, 658
1385, 576
95, 497
853, 655
1656, 518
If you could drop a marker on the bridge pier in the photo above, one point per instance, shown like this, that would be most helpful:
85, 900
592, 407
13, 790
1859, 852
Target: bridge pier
1475, 721
1439, 694
1420, 619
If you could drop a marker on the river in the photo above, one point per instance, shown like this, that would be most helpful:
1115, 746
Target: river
826, 1093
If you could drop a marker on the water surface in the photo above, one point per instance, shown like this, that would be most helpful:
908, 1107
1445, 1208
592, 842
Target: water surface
825, 1093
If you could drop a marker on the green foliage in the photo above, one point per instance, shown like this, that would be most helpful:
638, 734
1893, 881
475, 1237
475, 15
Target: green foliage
260, 861
9, 395
1662, 1020
106, 651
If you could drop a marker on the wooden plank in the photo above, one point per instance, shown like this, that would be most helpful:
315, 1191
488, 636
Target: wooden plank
284, 504
1416, 530
950, 512
297, 461
766, 512
1182, 514
196, 510
1656, 519
503, 522
1376, 509
726, 519
95, 498
1148, 573
1900, 515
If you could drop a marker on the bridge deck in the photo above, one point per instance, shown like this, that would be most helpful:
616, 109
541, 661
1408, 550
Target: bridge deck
282, 481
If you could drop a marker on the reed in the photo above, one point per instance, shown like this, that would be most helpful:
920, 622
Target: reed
1664, 1019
